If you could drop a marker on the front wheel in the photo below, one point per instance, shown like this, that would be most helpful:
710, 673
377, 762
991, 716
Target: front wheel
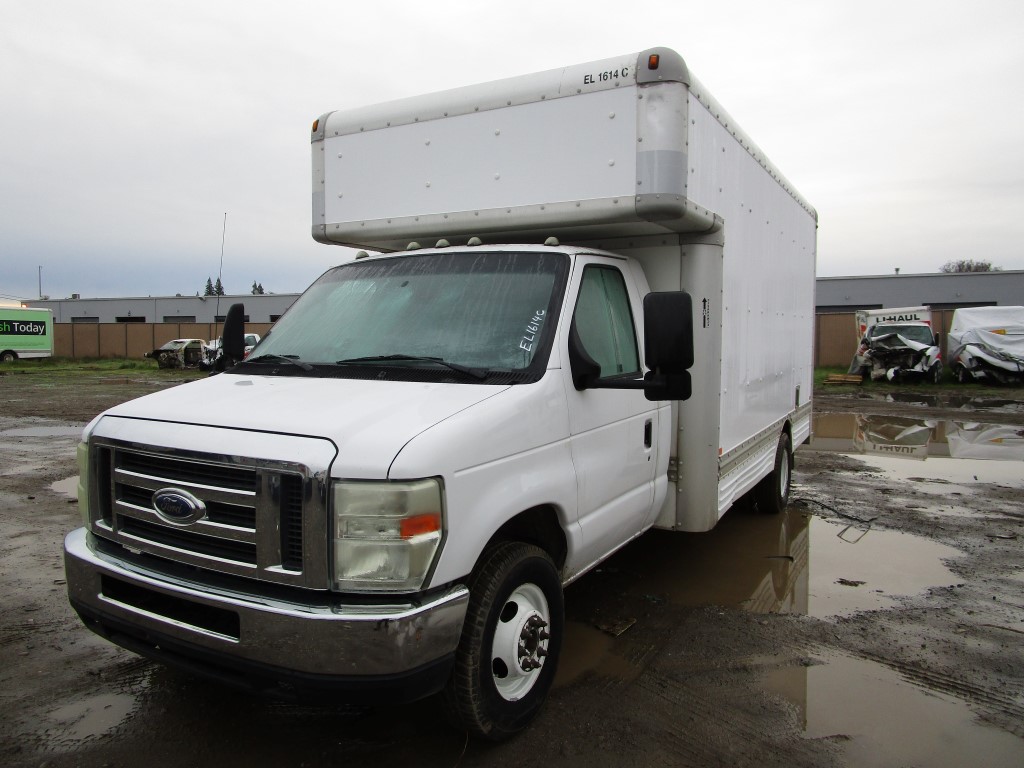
772, 493
7, 357
506, 659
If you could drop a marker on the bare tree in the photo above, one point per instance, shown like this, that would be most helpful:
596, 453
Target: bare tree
968, 265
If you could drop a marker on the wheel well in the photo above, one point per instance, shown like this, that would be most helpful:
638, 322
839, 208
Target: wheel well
538, 526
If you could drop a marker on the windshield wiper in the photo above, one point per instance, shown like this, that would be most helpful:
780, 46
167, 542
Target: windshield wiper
476, 373
272, 359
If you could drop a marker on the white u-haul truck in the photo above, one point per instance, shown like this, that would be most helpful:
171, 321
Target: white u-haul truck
386, 499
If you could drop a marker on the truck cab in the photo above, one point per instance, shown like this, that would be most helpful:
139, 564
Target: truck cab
900, 351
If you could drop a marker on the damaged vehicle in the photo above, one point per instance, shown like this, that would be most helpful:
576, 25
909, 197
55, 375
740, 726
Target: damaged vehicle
179, 353
213, 350
898, 352
986, 344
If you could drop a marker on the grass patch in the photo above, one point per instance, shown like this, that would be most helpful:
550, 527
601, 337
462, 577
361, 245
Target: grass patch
60, 367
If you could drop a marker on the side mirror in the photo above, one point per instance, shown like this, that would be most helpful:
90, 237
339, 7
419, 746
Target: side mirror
668, 345
668, 351
232, 338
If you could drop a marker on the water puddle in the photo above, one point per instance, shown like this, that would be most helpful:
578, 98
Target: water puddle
857, 568
66, 487
908, 437
964, 403
860, 701
94, 716
788, 563
587, 648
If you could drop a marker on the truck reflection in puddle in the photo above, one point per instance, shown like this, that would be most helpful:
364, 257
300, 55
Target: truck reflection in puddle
788, 563
914, 438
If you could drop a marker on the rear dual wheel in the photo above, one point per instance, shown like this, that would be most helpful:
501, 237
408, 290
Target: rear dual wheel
511, 639
772, 493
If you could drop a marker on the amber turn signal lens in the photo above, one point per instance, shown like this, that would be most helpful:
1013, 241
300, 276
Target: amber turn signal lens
419, 524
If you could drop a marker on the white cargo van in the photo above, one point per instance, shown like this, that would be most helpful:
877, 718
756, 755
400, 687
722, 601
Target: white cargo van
386, 499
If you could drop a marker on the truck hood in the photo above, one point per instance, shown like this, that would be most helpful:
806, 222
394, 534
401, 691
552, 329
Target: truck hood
368, 421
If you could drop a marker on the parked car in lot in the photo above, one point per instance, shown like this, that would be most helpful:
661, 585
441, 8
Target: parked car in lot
213, 350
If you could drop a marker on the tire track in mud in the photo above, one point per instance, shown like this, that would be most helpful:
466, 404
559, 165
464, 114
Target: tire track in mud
1005, 706
685, 668
747, 730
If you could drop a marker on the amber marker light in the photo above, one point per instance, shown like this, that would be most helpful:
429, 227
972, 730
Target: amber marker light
653, 60
420, 524
316, 124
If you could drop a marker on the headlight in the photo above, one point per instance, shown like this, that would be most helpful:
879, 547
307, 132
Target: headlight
83, 481
386, 535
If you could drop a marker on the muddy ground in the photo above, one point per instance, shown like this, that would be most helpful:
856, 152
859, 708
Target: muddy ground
879, 622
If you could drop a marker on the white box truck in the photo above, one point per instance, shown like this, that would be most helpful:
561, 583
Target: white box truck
25, 332
897, 344
386, 500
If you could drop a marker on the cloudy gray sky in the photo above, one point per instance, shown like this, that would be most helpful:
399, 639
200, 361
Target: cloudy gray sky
131, 128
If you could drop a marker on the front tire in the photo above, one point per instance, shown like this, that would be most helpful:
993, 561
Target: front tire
772, 493
7, 357
506, 659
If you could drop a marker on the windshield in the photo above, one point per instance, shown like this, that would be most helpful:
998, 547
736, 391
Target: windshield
440, 313
922, 334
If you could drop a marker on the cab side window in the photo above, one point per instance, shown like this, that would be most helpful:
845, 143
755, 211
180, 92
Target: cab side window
605, 323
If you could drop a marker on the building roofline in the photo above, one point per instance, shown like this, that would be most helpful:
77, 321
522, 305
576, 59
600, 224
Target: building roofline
923, 274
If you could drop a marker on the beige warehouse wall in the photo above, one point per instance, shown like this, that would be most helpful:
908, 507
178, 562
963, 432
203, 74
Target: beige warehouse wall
834, 337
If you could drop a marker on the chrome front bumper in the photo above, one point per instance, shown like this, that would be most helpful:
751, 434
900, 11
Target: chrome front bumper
305, 634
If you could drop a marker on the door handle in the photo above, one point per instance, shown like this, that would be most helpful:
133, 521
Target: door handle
648, 433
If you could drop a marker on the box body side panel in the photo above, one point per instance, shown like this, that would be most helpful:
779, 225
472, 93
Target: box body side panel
767, 309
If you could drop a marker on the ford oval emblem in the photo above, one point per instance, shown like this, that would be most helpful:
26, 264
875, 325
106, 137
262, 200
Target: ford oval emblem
178, 507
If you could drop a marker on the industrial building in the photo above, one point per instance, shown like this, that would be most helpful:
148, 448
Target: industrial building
940, 290
259, 308
147, 322
834, 294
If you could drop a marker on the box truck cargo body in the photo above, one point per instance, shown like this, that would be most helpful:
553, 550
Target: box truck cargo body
25, 333
590, 313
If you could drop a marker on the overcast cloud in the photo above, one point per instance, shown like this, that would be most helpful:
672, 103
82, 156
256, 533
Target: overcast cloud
131, 128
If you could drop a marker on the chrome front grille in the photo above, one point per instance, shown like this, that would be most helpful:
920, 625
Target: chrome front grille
260, 519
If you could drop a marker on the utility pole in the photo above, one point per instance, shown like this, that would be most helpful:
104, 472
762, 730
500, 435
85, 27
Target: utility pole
220, 272
40, 282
